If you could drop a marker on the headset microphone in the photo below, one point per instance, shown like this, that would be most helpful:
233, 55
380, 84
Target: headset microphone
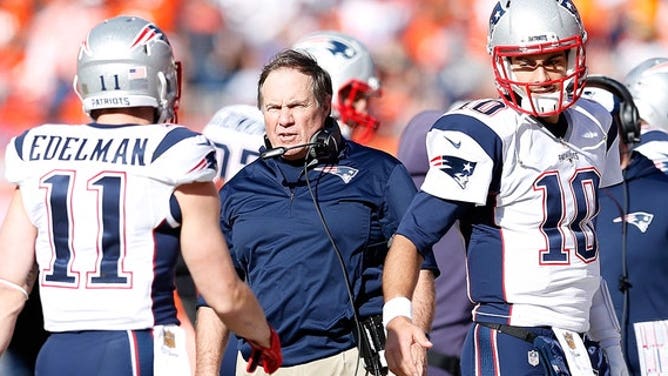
279, 151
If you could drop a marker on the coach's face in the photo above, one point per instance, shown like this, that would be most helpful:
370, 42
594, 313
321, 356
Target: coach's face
291, 112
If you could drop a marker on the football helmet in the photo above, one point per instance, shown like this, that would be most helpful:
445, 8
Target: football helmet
128, 62
353, 74
529, 27
648, 84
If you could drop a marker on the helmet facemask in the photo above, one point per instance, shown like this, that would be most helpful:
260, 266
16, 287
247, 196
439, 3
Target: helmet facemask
362, 126
526, 28
522, 96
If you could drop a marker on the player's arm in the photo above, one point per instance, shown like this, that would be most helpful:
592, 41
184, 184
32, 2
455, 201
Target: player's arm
207, 257
425, 222
400, 277
604, 329
400, 190
211, 338
423, 300
17, 271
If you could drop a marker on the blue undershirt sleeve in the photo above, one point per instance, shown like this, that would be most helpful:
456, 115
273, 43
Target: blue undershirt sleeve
428, 218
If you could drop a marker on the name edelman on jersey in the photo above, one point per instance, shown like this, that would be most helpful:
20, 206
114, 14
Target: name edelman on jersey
118, 151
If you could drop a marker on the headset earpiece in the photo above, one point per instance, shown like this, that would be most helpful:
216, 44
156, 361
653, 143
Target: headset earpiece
628, 117
328, 142
267, 143
324, 145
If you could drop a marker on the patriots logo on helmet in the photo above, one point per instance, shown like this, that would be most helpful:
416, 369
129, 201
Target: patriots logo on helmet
497, 12
641, 220
148, 33
458, 168
339, 48
568, 4
344, 172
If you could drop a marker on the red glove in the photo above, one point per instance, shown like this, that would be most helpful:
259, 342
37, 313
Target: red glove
270, 357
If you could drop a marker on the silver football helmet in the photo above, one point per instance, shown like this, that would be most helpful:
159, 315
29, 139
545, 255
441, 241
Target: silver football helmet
529, 27
128, 62
353, 74
648, 84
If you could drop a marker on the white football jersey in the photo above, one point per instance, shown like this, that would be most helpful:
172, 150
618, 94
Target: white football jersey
532, 256
101, 199
237, 132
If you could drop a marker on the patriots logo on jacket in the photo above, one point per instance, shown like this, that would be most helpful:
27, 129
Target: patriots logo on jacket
458, 168
641, 220
344, 172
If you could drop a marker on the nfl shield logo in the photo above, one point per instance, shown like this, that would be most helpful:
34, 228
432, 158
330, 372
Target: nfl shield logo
533, 358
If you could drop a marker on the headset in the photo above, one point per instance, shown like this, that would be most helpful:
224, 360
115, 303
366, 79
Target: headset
626, 116
324, 146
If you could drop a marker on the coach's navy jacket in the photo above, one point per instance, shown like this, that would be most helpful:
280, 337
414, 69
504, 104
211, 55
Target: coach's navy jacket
646, 245
280, 244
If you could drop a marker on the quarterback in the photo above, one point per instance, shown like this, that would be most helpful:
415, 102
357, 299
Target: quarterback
521, 172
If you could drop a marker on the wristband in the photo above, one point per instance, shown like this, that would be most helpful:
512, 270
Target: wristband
15, 287
399, 306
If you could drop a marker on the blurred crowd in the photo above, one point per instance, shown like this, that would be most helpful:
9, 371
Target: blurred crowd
430, 53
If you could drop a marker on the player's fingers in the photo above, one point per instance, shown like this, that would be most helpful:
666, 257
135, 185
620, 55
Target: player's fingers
402, 365
400, 339
421, 339
419, 358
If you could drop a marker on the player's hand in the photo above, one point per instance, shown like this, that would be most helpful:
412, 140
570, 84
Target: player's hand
419, 354
402, 335
269, 357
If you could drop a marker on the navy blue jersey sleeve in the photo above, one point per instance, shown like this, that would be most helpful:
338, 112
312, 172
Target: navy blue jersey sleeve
428, 218
400, 190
